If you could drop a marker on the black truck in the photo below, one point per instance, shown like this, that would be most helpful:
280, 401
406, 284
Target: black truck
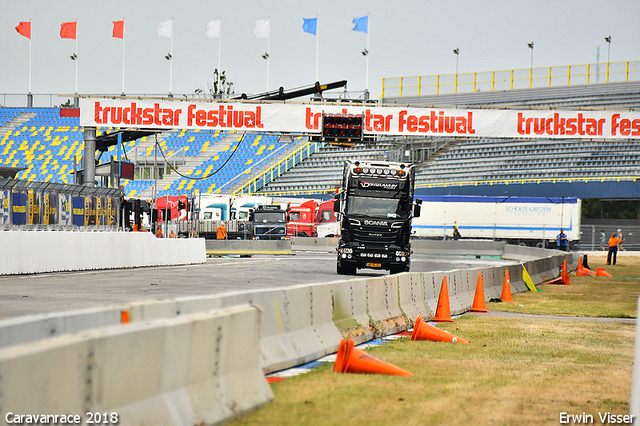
376, 206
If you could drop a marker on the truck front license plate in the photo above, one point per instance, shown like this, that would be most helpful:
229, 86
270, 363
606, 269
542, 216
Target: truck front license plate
374, 265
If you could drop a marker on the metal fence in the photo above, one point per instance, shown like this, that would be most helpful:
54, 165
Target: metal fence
29, 205
526, 78
590, 237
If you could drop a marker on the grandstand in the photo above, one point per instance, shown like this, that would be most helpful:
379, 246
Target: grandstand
222, 161
50, 147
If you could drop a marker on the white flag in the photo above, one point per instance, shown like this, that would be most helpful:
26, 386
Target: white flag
164, 29
262, 29
213, 29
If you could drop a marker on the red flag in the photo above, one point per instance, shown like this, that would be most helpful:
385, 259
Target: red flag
24, 28
68, 30
118, 29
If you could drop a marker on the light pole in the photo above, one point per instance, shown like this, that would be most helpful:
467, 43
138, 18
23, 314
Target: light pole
531, 66
531, 47
608, 40
457, 53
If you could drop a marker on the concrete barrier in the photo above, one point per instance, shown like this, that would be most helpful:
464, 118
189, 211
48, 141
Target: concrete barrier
314, 244
458, 248
29, 252
383, 305
411, 296
247, 247
304, 322
634, 402
193, 369
350, 310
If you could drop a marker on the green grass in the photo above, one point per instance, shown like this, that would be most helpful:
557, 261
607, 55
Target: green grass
514, 372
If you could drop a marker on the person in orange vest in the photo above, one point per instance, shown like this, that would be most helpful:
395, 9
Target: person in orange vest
172, 234
159, 232
222, 232
613, 249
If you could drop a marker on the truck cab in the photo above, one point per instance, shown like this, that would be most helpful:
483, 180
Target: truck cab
268, 222
376, 206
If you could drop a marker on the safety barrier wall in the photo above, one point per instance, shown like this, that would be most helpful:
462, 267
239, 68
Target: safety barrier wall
634, 403
180, 371
354, 304
297, 324
28, 252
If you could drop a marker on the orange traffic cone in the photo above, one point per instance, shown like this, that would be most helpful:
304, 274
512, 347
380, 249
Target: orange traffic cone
424, 331
582, 271
564, 276
443, 311
124, 317
478, 300
352, 360
506, 288
600, 272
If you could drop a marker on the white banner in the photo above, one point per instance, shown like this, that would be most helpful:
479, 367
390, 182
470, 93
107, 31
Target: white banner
379, 120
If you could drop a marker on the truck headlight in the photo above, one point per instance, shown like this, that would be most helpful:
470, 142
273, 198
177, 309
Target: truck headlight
344, 256
403, 259
400, 253
347, 250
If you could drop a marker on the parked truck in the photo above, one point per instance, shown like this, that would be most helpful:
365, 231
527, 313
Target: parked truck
312, 219
377, 207
532, 221
268, 222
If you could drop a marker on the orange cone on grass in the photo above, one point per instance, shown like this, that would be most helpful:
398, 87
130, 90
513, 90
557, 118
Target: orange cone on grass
424, 331
443, 311
564, 276
478, 300
506, 288
352, 360
600, 272
582, 271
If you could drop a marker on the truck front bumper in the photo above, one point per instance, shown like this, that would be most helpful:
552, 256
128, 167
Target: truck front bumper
373, 258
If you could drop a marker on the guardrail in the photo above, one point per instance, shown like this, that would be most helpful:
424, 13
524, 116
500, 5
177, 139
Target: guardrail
565, 75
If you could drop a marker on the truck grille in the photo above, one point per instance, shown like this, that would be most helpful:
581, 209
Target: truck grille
375, 236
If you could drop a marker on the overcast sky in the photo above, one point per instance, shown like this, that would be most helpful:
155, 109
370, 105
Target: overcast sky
407, 38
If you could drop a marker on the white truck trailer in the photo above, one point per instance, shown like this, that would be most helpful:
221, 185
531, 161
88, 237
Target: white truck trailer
532, 221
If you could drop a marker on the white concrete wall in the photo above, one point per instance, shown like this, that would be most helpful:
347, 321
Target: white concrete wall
189, 370
28, 252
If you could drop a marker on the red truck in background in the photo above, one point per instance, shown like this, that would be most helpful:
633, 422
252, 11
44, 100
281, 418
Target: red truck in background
312, 219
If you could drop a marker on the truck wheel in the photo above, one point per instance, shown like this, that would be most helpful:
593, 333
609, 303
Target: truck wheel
398, 269
342, 270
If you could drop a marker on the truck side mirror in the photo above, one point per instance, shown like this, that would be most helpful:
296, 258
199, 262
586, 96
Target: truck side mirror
417, 208
336, 205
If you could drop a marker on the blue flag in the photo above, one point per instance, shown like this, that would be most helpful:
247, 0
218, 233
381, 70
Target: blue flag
361, 24
310, 25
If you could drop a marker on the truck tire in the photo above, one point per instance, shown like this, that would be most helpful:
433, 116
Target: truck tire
345, 270
398, 269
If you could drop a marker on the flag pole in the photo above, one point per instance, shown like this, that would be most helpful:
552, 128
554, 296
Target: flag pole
317, 47
29, 57
268, 55
219, 54
123, 56
76, 60
171, 62
367, 72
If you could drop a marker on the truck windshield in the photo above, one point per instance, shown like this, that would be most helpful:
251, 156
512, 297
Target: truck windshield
390, 208
269, 217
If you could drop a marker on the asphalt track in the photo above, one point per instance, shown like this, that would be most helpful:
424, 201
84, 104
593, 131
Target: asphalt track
52, 292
